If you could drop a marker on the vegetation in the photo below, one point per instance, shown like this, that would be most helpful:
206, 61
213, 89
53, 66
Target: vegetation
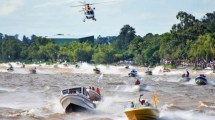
190, 39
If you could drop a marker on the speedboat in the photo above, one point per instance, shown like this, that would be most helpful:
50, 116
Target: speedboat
10, 68
148, 72
94, 95
76, 100
201, 80
33, 70
97, 70
165, 70
126, 67
133, 73
184, 78
77, 66
23, 65
142, 113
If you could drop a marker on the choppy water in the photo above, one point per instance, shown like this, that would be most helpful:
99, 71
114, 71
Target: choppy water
36, 96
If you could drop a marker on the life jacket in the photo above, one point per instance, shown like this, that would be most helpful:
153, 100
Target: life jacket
137, 82
98, 91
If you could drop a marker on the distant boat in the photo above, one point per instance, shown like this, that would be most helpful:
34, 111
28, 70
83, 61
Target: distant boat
77, 66
32, 71
165, 70
133, 73
201, 80
126, 67
97, 70
185, 79
148, 72
142, 113
23, 65
76, 99
10, 68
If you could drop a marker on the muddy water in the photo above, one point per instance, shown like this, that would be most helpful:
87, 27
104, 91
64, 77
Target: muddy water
26, 96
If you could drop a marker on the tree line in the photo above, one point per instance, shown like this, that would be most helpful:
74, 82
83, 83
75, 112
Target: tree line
189, 40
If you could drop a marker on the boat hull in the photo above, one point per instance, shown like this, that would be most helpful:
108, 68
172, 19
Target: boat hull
76, 103
148, 72
142, 113
132, 74
166, 70
201, 81
97, 71
185, 79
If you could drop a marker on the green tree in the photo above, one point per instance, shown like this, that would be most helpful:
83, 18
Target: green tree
126, 35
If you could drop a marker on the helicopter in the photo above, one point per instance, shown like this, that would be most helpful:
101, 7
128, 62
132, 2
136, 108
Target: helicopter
88, 10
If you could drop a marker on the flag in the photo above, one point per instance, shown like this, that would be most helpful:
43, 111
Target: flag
155, 98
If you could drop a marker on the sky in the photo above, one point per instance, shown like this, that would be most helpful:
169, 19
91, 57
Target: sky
51, 17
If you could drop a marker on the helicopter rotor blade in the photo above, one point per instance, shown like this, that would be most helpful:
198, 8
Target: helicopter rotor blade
81, 11
77, 5
82, 2
101, 2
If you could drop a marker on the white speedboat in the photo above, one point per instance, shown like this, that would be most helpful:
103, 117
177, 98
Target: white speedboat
76, 99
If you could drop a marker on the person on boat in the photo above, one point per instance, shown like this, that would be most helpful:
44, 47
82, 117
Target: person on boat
132, 105
202, 75
93, 88
147, 103
142, 102
98, 91
137, 82
90, 87
188, 74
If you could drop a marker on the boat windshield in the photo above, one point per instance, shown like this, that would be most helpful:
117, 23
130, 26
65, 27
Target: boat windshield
65, 91
136, 105
71, 91
75, 90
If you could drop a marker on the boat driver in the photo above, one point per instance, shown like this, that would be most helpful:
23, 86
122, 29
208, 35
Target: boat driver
142, 102
132, 105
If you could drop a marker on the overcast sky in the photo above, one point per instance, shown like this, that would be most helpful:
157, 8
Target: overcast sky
51, 17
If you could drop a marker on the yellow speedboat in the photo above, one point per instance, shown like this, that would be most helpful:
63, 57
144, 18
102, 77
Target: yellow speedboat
142, 113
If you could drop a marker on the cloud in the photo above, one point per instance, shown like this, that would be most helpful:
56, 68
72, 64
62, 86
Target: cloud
7, 7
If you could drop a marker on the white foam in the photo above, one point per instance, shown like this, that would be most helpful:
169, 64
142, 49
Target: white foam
184, 115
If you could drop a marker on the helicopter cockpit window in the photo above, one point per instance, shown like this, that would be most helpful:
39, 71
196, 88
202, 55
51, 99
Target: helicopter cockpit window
88, 12
91, 12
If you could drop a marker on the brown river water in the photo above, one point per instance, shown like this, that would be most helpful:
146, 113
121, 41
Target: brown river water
25, 96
